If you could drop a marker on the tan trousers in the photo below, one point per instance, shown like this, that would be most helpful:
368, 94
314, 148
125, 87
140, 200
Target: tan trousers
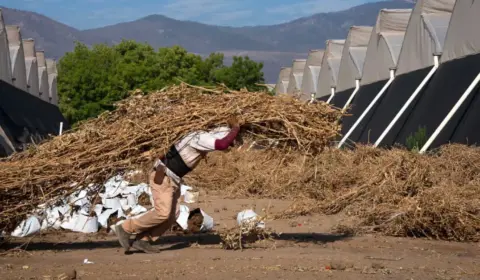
157, 221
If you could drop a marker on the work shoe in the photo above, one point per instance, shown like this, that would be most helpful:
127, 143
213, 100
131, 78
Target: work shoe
123, 237
144, 246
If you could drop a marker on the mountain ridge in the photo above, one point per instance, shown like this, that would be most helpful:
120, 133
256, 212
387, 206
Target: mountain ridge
274, 45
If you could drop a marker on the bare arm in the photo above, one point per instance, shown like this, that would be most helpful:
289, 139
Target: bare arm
225, 142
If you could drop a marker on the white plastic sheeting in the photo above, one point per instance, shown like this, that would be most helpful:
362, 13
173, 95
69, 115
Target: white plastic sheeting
17, 57
31, 67
52, 80
182, 219
207, 223
328, 77
5, 68
353, 57
27, 227
385, 44
43, 77
310, 73
425, 35
296, 76
78, 214
463, 33
282, 82
248, 216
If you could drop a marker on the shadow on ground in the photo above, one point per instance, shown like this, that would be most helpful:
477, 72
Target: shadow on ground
177, 242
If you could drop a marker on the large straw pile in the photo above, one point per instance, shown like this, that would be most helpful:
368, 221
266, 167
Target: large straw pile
144, 126
395, 192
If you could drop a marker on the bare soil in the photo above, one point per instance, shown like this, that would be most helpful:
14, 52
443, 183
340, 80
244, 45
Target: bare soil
305, 249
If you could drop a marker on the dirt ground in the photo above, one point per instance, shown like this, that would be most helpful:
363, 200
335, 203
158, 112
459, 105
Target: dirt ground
306, 249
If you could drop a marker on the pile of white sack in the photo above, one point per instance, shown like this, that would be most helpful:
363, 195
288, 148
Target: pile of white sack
120, 200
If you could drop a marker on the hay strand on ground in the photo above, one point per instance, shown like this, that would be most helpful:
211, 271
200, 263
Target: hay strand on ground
237, 238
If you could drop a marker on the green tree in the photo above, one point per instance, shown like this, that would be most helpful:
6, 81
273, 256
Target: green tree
90, 80
242, 73
137, 66
210, 66
87, 83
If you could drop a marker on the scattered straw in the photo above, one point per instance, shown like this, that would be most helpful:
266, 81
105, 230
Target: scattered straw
394, 192
238, 237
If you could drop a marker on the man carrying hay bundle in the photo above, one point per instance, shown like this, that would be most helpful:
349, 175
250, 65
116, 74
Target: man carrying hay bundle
165, 182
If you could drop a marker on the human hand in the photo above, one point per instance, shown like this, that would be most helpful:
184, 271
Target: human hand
233, 122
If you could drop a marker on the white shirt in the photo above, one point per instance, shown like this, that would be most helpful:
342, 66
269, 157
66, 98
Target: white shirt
194, 146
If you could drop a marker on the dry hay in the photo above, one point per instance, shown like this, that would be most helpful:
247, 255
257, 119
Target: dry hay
239, 237
143, 127
195, 221
144, 200
395, 192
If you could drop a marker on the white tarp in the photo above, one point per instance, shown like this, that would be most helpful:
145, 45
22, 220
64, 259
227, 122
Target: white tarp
296, 76
31, 67
463, 33
425, 34
357, 55
27, 227
5, 68
249, 216
17, 57
120, 200
353, 57
52, 80
385, 44
311, 72
282, 82
43, 76
330, 67
391, 45
182, 219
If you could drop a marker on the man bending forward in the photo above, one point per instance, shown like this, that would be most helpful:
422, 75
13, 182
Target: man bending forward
165, 181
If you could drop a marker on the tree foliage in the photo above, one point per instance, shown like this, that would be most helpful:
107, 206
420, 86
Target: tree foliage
90, 80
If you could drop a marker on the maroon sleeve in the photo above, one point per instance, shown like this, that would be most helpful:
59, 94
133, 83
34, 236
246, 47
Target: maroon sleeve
225, 142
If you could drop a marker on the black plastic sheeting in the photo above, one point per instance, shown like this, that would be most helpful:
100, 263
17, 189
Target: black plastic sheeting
24, 115
7, 126
389, 105
444, 90
362, 99
340, 99
323, 98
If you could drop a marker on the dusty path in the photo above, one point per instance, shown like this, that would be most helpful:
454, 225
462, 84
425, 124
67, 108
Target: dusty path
305, 250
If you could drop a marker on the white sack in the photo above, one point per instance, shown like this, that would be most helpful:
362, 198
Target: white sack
27, 227
247, 216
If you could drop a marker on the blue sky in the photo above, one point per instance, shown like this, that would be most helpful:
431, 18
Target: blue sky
85, 14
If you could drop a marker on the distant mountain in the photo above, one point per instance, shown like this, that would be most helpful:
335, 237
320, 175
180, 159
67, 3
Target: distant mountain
311, 32
275, 45
52, 36
163, 31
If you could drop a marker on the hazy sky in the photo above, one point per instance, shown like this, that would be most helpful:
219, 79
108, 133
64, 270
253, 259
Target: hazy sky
85, 14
